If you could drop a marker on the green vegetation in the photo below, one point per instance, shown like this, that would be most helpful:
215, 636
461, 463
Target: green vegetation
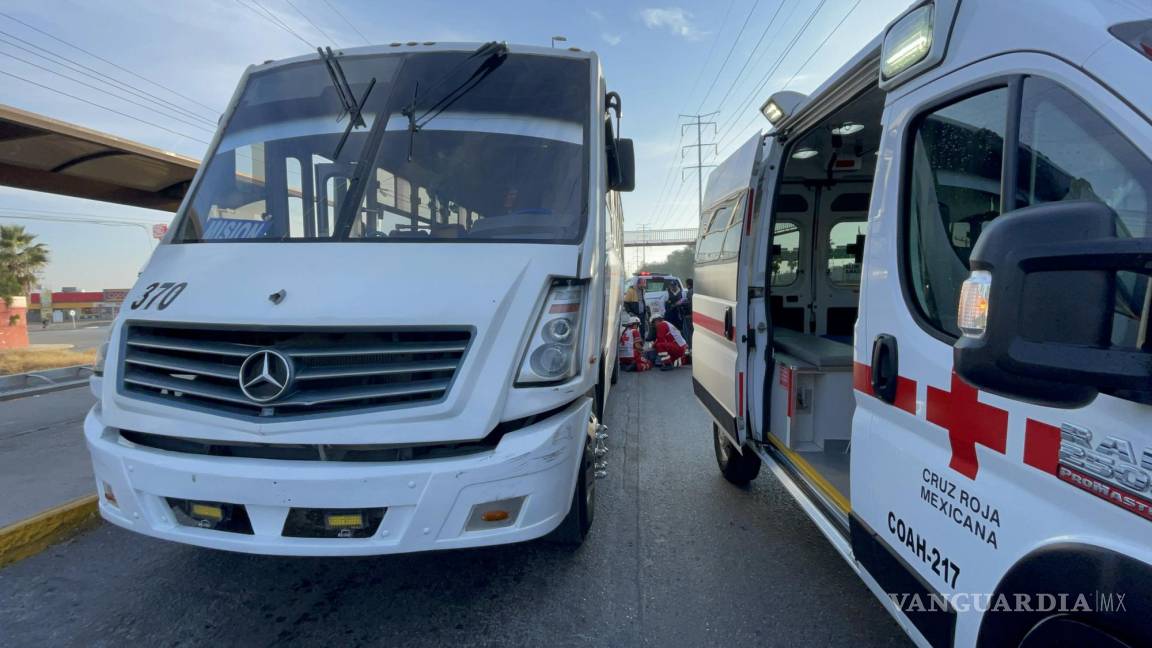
21, 259
678, 263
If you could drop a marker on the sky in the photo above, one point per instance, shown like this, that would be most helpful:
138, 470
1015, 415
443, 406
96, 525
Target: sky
664, 57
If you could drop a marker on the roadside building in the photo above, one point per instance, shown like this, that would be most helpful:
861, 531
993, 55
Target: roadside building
88, 305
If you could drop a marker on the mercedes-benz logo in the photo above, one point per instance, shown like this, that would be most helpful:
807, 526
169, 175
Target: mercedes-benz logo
265, 375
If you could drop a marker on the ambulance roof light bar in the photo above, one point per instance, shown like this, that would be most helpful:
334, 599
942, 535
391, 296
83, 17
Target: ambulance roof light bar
780, 105
916, 41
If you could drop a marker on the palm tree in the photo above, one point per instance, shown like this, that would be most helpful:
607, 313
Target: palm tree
21, 259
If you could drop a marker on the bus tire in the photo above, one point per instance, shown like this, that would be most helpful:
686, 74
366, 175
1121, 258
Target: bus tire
615, 371
736, 466
578, 522
598, 398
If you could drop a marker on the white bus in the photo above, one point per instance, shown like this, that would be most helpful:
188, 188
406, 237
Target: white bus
923, 303
385, 317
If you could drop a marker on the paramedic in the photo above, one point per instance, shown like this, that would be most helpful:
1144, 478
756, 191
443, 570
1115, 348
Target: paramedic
668, 342
674, 305
631, 349
634, 303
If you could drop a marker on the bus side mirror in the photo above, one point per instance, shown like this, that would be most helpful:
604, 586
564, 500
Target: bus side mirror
1037, 311
622, 166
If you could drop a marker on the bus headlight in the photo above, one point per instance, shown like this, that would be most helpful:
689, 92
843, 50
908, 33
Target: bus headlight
553, 352
101, 357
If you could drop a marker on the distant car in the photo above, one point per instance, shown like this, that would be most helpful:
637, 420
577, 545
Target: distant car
655, 289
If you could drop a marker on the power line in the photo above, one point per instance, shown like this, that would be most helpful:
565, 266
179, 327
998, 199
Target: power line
810, 57
751, 56
711, 49
314, 25
735, 41
103, 107
348, 22
107, 92
271, 17
93, 219
106, 61
88, 71
767, 77
821, 45
814, 53
60, 213
671, 169
699, 123
107, 222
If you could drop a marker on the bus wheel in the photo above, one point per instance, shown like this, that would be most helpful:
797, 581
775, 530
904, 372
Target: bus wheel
598, 397
578, 522
616, 371
737, 467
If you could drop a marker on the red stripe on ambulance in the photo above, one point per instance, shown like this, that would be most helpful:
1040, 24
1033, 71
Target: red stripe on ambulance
710, 324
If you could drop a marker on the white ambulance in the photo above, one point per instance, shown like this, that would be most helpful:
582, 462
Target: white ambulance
386, 317
929, 318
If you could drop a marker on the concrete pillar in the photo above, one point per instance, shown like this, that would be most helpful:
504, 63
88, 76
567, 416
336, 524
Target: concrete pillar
14, 323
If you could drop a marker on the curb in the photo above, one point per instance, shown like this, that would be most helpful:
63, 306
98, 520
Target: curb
35, 534
46, 389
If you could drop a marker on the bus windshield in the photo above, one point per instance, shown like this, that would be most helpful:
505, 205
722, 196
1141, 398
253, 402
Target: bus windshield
505, 160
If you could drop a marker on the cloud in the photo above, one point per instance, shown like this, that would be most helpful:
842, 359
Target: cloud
673, 19
612, 39
598, 16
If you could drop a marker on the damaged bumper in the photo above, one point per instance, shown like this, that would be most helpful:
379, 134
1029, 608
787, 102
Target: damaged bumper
426, 504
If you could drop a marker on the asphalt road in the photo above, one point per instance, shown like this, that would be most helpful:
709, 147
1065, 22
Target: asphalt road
84, 336
677, 557
43, 459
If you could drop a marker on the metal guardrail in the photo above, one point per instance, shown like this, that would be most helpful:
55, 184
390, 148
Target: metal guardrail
46, 380
680, 236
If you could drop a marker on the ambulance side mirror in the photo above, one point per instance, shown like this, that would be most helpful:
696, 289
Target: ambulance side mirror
1038, 310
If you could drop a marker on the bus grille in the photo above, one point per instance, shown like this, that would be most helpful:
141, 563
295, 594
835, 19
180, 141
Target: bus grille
290, 371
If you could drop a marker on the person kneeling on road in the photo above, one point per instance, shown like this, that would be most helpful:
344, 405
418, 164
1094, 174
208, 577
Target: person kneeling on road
670, 345
631, 350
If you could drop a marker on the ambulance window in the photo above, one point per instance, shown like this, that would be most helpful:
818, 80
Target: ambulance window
1068, 152
785, 253
712, 242
957, 154
846, 252
731, 247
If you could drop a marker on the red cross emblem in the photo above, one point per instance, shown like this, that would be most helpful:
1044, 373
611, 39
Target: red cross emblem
969, 422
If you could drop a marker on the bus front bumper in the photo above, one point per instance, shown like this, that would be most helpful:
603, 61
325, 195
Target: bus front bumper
427, 504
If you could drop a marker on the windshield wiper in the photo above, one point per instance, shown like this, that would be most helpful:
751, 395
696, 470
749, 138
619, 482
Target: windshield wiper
351, 107
494, 54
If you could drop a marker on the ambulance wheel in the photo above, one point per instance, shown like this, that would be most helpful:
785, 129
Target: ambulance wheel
737, 467
578, 522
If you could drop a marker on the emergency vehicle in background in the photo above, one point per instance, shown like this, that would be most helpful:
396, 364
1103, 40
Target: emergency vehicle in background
656, 289
386, 317
923, 300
